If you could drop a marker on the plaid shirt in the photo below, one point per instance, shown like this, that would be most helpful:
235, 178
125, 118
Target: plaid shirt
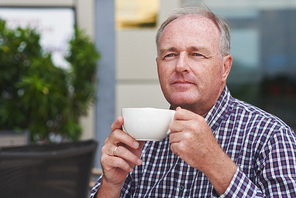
261, 145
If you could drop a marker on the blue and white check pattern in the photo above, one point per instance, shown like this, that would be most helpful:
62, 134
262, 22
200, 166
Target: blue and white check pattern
262, 146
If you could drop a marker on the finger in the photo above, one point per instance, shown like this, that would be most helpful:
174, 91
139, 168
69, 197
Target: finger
176, 126
175, 137
184, 114
174, 148
111, 162
118, 137
141, 145
117, 124
128, 154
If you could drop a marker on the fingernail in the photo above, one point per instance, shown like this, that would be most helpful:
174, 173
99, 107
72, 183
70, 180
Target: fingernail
139, 161
136, 144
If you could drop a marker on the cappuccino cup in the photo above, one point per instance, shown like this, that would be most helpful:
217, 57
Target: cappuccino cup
147, 124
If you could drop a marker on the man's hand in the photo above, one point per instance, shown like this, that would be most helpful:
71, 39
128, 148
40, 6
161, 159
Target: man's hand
193, 141
117, 163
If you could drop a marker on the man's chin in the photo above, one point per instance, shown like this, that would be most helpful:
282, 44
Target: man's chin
183, 99
185, 104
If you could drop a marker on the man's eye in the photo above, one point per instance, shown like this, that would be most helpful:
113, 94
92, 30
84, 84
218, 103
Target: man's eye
169, 56
196, 54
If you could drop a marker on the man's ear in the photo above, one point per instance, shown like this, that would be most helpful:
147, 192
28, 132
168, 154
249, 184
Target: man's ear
227, 63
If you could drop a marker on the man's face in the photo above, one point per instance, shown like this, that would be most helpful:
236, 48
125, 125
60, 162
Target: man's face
191, 72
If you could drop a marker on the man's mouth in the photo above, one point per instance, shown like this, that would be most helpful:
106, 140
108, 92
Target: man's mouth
182, 85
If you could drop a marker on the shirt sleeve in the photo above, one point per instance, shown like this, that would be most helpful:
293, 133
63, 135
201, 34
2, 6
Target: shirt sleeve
241, 186
275, 172
126, 190
95, 188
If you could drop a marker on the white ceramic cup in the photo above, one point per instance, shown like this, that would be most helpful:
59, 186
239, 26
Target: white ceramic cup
147, 124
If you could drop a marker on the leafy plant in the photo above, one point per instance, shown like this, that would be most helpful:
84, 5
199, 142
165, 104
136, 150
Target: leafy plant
38, 96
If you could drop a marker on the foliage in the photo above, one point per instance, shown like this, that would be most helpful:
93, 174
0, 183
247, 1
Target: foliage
38, 96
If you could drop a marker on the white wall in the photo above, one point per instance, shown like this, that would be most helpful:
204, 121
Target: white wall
137, 80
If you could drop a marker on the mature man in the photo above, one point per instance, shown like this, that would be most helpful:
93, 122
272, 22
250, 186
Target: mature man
219, 146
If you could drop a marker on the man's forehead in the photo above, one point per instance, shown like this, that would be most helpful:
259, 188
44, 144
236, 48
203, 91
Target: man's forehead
197, 27
194, 20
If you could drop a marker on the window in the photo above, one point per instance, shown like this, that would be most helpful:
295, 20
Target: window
136, 13
263, 46
56, 26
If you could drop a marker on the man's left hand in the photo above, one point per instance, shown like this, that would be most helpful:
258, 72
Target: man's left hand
193, 141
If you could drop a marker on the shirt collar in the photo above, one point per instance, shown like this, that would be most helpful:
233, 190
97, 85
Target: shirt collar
218, 112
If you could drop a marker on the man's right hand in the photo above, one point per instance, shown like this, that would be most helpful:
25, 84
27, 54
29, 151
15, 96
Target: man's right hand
116, 165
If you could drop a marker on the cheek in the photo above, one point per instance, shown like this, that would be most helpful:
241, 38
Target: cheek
216, 72
163, 73
215, 79
162, 76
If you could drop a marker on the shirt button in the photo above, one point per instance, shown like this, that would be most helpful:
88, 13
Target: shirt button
181, 187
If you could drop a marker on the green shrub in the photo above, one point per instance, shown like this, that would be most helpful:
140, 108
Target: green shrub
38, 96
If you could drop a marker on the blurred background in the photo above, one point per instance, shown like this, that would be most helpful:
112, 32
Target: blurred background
123, 32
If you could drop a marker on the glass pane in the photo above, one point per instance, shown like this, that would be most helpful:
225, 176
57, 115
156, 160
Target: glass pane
263, 45
264, 67
56, 26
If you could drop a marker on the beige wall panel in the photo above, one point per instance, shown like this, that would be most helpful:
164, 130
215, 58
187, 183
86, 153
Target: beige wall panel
137, 80
136, 48
136, 53
166, 7
86, 16
140, 95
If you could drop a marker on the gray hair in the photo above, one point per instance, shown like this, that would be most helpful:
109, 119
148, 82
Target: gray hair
206, 12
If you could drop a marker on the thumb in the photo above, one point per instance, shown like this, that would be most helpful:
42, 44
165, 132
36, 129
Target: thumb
117, 124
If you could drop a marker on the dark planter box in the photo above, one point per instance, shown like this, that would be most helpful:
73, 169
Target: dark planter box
14, 138
47, 171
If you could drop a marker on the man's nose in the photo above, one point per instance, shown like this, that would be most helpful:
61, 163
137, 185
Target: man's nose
182, 63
